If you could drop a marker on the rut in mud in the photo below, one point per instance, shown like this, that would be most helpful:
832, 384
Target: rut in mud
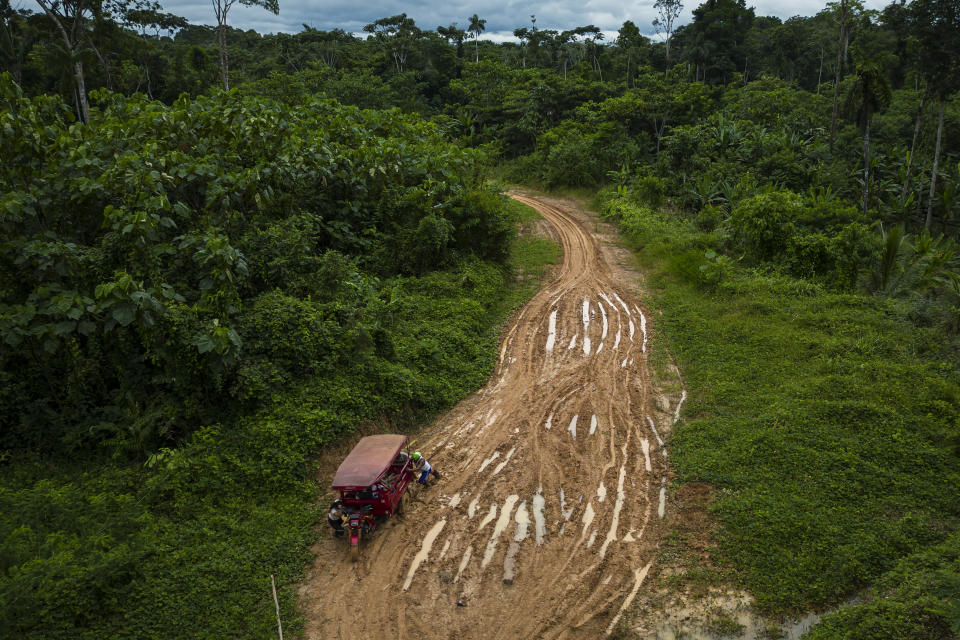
547, 518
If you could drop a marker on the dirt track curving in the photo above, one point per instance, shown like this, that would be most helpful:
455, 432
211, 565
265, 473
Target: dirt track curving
547, 519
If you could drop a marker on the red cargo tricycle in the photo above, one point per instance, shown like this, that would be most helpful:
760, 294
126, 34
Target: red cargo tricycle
372, 481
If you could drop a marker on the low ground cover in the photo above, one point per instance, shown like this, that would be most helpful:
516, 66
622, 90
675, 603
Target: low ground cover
826, 423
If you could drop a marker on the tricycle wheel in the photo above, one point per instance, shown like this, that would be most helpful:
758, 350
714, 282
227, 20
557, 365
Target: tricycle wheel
401, 506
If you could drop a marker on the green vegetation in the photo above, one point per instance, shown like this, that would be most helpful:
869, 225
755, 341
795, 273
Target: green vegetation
827, 422
188, 320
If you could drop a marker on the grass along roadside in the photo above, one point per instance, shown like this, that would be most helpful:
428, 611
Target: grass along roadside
826, 425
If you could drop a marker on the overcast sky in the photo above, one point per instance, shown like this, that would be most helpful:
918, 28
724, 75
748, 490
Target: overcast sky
502, 16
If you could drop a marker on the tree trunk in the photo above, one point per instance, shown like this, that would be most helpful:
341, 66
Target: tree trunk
936, 163
820, 72
82, 93
913, 147
476, 46
106, 67
83, 108
667, 44
836, 81
222, 42
866, 166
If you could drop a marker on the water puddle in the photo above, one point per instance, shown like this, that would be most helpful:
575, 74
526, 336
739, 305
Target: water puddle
446, 547
599, 349
632, 330
424, 551
573, 427
463, 563
549, 422
504, 463
498, 529
656, 433
472, 509
612, 534
496, 454
607, 300
587, 519
629, 537
623, 364
487, 519
510, 562
676, 414
573, 341
603, 314
661, 508
638, 577
623, 304
552, 331
540, 525
586, 327
645, 445
593, 538
522, 518
643, 330
601, 493
454, 501
563, 507
616, 341
523, 524
593, 424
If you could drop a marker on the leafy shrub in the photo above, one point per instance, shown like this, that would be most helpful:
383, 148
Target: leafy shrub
649, 190
763, 225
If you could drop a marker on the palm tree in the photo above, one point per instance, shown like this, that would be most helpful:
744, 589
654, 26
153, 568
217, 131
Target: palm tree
476, 26
869, 93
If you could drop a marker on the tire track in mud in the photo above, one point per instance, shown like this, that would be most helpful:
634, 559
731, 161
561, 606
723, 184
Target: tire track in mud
547, 518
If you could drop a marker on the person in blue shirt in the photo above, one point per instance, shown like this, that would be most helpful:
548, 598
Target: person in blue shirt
420, 464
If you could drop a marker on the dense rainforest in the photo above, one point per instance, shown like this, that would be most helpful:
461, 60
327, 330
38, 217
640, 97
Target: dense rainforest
221, 251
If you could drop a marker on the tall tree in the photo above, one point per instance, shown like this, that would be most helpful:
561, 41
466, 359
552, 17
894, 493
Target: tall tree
69, 17
523, 35
843, 23
630, 40
667, 12
721, 27
221, 8
477, 25
869, 93
396, 33
936, 26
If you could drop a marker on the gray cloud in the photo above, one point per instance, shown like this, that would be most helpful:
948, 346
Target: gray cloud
502, 16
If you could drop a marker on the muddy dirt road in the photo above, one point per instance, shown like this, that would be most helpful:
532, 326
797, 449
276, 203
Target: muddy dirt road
547, 518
